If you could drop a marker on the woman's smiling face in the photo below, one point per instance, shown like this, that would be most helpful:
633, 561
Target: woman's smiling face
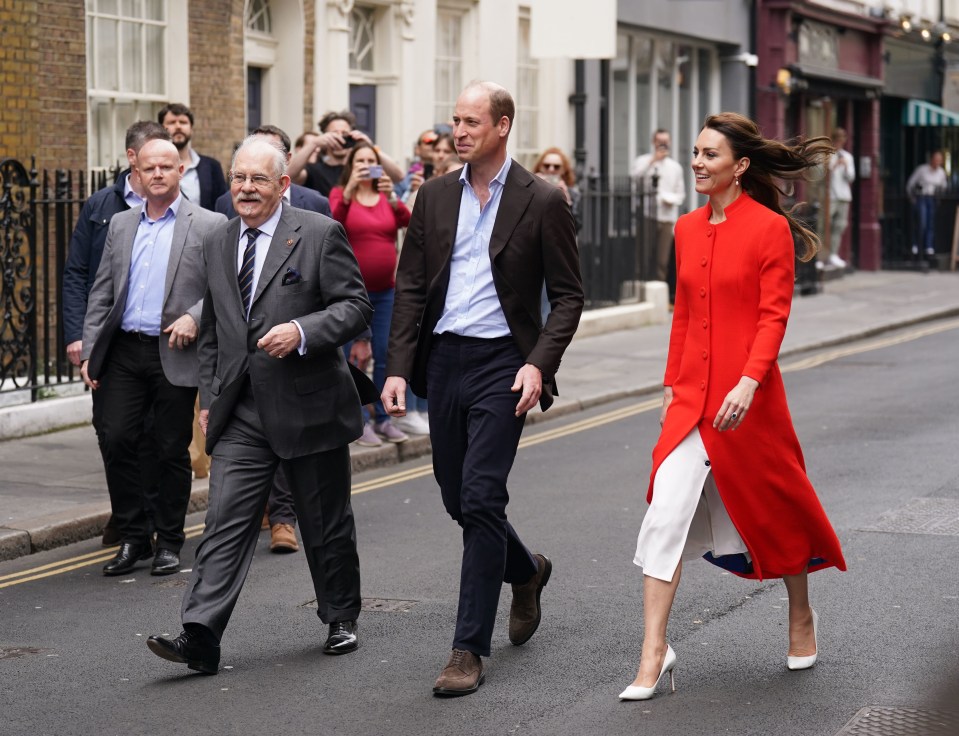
714, 164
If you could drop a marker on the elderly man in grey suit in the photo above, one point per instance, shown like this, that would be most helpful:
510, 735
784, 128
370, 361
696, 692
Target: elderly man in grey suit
284, 293
139, 352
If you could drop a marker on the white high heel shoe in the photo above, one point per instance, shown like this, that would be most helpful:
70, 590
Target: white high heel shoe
804, 663
635, 692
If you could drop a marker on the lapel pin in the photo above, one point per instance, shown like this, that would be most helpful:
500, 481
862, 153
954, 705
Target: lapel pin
290, 241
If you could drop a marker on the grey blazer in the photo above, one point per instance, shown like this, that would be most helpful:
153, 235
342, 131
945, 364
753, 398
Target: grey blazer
307, 403
183, 289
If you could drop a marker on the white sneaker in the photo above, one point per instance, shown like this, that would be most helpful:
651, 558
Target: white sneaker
820, 265
413, 423
836, 261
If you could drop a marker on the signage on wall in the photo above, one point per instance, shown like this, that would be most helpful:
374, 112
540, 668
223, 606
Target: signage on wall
818, 45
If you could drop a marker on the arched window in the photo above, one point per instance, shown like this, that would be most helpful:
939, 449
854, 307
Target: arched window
258, 17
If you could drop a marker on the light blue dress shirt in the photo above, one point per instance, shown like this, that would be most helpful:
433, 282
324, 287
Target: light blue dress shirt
190, 181
148, 266
472, 306
129, 196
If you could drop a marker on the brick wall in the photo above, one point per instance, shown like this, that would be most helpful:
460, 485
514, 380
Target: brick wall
62, 76
217, 78
19, 65
309, 49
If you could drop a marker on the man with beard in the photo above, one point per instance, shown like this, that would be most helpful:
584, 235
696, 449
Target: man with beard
203, 180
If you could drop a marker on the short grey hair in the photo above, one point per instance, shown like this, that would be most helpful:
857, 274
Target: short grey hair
276, 151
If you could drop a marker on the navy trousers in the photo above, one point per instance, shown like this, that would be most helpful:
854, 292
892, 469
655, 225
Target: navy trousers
475, 435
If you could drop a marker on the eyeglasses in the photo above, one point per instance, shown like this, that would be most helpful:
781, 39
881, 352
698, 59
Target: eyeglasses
552, 167
257, 180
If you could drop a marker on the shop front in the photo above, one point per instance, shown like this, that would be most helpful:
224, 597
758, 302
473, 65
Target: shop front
820, 69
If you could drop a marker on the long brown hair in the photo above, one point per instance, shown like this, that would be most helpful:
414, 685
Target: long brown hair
348, 165
773, 166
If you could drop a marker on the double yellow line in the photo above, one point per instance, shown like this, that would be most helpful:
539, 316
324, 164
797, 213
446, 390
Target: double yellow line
425, 469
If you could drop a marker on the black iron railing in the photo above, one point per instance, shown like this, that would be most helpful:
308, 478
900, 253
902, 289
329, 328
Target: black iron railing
617, 241
38, 212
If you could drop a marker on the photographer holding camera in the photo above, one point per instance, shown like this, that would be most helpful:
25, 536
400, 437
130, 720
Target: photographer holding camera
659, 176
338, 136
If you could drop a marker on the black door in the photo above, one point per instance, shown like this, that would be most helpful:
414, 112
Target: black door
363, 105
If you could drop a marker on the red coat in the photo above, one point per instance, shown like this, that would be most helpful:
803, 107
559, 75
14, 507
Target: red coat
735, 287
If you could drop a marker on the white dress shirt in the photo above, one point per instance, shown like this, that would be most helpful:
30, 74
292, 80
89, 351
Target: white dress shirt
670, 187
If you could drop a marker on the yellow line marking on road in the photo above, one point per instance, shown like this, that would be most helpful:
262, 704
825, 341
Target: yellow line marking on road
73, 563
93, 558
817, 360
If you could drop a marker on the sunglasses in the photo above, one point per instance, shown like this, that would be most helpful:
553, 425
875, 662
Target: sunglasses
552, 167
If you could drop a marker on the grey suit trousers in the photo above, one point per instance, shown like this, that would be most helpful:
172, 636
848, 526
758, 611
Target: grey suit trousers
241, 475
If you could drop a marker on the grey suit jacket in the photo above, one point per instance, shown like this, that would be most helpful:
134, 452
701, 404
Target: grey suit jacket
307, 403
183, 289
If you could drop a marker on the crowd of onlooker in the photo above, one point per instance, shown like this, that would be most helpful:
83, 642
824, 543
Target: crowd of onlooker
337, 171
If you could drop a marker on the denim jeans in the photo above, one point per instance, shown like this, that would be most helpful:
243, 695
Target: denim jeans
380, 328
926, 212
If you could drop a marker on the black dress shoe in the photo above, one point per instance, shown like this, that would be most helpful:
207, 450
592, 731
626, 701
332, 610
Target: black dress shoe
129, 554
342, 638
166, 562
189, 649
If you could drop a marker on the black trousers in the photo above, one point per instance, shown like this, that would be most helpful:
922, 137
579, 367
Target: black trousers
475, 435
241, 474
280, 505
132, 386
148, 456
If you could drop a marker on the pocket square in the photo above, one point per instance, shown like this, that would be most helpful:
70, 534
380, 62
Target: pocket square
292, 276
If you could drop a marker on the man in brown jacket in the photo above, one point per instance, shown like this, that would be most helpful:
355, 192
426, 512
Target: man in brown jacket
467, 333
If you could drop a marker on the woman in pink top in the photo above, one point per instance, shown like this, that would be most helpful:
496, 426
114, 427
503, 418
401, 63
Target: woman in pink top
368, 208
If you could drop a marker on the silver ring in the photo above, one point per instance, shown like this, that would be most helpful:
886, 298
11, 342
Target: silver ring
733, 415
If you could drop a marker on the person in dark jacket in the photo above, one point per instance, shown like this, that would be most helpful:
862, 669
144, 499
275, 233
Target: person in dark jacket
203, 181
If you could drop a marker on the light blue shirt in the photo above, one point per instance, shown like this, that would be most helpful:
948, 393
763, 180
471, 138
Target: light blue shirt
263, 241
148, 265
472, 306
190, 182
129, 196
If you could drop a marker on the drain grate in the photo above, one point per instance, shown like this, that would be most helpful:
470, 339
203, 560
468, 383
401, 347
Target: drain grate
14, 652
938, 516
377, 605
875, 721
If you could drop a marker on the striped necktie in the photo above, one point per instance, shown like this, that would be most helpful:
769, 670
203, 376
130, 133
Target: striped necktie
245, 276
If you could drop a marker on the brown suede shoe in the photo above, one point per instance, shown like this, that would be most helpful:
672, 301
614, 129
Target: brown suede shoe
283, 539
462, 675
525, 613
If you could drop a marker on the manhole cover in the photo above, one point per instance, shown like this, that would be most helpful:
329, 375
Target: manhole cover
921, 516
14, 652
901, 722
380, 605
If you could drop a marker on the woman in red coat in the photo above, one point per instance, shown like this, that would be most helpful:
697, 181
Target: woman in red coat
728, 481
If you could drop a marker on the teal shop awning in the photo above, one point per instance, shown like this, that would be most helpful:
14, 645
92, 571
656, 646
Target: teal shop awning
922, 113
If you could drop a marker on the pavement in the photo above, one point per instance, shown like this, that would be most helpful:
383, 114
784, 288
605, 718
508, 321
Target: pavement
53, 490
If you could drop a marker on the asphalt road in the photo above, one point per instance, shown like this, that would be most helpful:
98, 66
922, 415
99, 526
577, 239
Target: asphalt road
878, 425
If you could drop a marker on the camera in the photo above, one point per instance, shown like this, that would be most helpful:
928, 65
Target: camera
427, 171
348, 141
375, 171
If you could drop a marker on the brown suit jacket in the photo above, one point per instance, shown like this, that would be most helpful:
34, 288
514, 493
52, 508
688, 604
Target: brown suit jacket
533, 242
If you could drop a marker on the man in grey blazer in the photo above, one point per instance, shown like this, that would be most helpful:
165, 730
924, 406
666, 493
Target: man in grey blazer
139, 352
284, 293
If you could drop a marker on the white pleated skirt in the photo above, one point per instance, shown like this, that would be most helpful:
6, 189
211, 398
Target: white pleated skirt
687, 517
